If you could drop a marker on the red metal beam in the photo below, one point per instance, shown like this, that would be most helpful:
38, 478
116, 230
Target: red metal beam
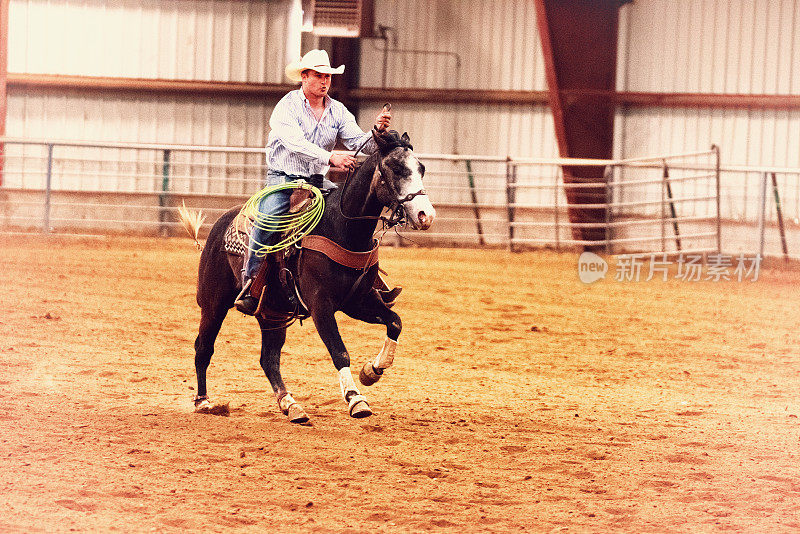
579, 42
346, 52
552, 78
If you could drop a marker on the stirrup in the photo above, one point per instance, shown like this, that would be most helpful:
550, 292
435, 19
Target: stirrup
287, 282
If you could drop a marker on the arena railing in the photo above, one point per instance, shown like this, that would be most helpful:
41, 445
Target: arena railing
522, 202
666, 203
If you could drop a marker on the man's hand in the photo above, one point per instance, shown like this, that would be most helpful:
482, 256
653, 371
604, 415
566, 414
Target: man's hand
383, 119
342, 161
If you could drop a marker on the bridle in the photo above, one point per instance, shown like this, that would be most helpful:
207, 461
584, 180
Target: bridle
397, 213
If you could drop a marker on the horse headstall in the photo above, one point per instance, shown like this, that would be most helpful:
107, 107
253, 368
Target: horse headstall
397, 212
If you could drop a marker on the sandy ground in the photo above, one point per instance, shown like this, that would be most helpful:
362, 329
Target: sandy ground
520, 399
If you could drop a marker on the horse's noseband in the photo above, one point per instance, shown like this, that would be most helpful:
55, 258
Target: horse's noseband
409, 197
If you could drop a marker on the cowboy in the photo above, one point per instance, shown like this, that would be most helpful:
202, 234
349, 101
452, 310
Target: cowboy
304, 127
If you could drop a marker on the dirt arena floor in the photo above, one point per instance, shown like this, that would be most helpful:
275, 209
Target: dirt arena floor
520, 400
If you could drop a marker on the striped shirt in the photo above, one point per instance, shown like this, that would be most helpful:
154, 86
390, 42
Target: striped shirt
298, 144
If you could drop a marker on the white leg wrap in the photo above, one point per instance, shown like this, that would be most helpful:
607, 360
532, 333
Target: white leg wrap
347, 383
385, 357
286, 402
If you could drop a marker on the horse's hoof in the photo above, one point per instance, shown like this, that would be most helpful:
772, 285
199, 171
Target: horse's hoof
359, 407
292, 409
297, 414
369, 374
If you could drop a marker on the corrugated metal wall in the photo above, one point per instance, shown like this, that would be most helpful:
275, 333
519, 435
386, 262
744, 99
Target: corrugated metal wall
240, 41
179, 39
470, 44
96, 116
711, 46
715, 46
496, 43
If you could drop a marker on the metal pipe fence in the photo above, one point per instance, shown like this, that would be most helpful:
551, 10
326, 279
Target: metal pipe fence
667, 203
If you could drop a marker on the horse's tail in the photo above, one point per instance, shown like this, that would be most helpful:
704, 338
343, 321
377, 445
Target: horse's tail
192, 221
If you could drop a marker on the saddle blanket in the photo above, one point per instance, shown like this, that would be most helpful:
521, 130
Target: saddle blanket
237, 236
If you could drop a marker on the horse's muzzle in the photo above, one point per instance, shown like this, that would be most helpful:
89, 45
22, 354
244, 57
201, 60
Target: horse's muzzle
425, 220
420, 212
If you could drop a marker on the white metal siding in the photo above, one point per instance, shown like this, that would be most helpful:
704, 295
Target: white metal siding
469, 44
102, 117
711, 46
240, 41
96, 116
495, 129
497, 43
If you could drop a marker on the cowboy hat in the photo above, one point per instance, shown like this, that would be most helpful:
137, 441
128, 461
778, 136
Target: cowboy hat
315, 60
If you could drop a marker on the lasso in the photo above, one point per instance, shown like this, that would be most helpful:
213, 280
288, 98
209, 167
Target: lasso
291, 226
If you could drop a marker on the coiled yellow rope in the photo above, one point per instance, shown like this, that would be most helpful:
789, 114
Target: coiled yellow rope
292, 226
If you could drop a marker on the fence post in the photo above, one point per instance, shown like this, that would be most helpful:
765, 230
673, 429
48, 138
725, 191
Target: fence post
163, 199
715, 148
511, 179
762, 212
672, 211
609, 175
475, 209
47, 188
556, 215
779, 213
664, 207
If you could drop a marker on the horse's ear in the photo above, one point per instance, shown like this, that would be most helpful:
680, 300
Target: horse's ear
407, 140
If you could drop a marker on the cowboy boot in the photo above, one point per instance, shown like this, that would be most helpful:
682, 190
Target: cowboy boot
245, 302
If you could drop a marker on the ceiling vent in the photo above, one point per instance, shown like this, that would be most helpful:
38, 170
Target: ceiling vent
339, 18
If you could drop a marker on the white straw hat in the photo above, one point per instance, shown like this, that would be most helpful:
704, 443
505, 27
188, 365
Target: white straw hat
315, 60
